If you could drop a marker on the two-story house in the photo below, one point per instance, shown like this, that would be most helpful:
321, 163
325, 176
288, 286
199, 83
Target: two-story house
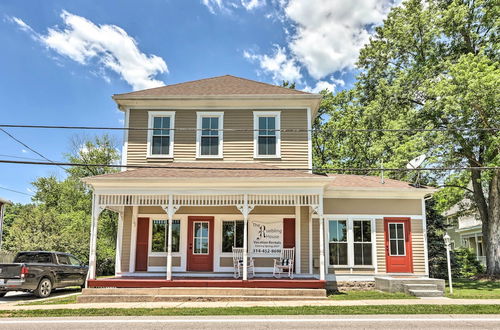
226, 162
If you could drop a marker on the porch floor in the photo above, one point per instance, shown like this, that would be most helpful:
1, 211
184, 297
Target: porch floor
219, 282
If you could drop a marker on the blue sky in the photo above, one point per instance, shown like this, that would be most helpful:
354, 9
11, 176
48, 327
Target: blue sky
62, 60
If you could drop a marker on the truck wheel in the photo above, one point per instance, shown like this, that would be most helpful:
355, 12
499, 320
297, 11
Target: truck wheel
44, 288
2, 293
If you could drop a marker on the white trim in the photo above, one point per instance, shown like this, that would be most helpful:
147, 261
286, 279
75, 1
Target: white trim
126, 116
119, 243
151, 115
424, 228
213, 114
133, 239
298, 246
310, 234
256, 115
376, 193
309, 140
335, 216
163, 269
374, 244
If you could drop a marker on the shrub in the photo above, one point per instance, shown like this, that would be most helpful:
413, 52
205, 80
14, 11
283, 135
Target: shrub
467, 265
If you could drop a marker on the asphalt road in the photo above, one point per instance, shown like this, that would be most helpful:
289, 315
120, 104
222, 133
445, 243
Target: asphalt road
262, 322
16, 296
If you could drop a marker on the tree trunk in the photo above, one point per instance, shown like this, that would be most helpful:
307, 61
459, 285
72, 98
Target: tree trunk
491, 229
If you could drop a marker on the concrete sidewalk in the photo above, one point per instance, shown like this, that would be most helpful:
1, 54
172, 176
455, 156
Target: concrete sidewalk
298, 303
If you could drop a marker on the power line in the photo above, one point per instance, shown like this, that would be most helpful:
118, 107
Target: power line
322, 170
28, 147
492, 129
19, 157
16, 191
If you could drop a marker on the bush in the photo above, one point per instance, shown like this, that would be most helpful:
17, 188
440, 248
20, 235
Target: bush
466, 264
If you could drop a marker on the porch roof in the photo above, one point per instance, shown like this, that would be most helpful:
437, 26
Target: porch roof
370, 181
216, 170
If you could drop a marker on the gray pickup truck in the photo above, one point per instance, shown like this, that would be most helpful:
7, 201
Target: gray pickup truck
40, 272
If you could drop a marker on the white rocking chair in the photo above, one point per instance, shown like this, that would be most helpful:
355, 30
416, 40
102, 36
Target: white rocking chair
285, 263
238, 263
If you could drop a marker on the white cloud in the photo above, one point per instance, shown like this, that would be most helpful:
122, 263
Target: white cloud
224, 6
109, 45
329, 34
323, 84
279, 65
24, 151
252, 4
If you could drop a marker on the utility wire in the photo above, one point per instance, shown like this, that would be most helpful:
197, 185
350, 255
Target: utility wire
19, 157
16, 191
29, 148
322, 170
492, 129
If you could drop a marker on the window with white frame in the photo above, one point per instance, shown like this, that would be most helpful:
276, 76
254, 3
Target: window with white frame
338, 242
350, 242
267, 137
161, 134
159, 230
209, 135
232, 235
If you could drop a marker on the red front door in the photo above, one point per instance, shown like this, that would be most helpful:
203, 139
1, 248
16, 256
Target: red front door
200, 256
142, 245
289, 233
398, 252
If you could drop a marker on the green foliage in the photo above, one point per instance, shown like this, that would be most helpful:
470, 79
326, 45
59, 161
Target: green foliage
59, 217
467, 264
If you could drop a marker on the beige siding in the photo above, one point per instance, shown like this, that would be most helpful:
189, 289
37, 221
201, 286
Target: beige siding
372, 206
127, 226
162, 261
380, 239
304, 240
238, 145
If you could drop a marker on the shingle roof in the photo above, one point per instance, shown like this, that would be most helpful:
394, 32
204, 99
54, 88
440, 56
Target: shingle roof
222, 85
366, 181
209, 170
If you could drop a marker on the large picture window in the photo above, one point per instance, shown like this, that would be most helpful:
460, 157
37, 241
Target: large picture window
160, 134
338, 242
350, 242
209, 135
267, 134
159, 236
232, 235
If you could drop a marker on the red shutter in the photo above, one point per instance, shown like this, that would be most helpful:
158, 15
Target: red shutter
142, 246
288, 233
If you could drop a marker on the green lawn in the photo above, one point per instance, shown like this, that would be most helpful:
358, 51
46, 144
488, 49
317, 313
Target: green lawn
304, 310
469, 289
371, 294
55, 301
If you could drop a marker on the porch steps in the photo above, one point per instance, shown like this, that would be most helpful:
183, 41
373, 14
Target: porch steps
423, 290
108, 295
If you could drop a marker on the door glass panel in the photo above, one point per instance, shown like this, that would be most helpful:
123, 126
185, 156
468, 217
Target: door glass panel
200, 239
396, 239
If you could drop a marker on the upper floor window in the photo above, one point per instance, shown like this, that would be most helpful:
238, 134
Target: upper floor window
267, 135
160, 134
209, 140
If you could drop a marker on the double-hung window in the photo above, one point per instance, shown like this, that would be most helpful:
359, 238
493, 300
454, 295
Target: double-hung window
267, 137
232, 235
351, 242
161, 134
159, 239
209, 141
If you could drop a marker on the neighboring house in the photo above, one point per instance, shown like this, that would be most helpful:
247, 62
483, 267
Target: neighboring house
235, 159
3, 203
466, 231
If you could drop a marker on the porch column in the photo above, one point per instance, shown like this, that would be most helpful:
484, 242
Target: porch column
119, 239
245, 210
319, 212
96, 211
170, 209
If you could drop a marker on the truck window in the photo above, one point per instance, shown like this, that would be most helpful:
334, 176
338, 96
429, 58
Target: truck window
33, 258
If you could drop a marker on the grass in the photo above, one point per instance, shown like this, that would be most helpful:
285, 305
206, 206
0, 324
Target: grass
470, 289
369, 294
55, 301
304, 310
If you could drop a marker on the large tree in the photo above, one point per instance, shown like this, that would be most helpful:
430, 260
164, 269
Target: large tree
432, 64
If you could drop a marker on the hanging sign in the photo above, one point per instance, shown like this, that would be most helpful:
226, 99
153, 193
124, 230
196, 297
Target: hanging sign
266, 238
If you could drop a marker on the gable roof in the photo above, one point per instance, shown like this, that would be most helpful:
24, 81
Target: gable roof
221, 85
